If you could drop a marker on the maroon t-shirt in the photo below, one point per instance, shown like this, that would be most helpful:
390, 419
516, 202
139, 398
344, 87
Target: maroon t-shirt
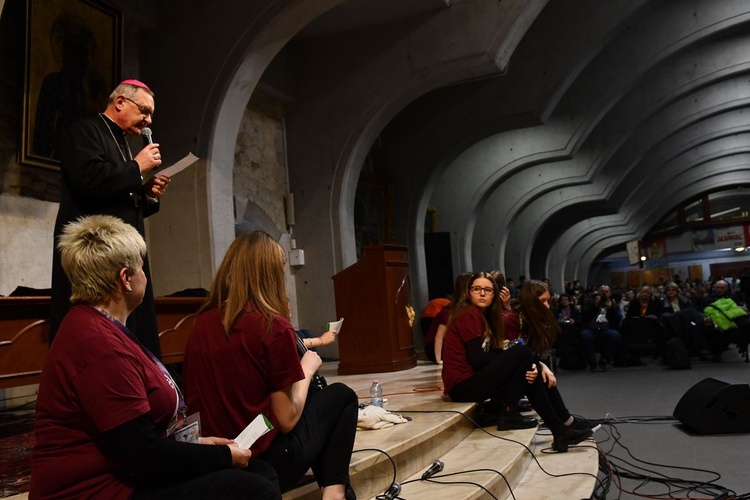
230, 380
512, 323
468, 325
441, 318
95, 379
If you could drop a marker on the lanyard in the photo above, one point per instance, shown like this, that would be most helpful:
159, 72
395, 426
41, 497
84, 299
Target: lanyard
181, 408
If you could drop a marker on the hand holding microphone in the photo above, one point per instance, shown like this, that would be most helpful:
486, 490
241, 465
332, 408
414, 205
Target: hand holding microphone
149, 157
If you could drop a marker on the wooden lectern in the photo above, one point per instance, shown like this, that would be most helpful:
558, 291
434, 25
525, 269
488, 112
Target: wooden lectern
374, 298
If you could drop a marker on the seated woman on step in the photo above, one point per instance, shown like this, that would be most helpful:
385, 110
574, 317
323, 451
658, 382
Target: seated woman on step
479, 365
242, 360
106, 402
536, 324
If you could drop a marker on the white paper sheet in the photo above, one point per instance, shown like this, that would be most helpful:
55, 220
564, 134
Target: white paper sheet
177, 167
255, 429
336, 325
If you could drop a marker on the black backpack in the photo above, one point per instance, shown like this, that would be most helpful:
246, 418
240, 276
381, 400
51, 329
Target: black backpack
678, 357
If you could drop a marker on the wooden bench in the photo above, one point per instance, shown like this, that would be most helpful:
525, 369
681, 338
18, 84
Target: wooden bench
24, 334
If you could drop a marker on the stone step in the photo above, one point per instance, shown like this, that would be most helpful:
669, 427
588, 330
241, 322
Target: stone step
441, 429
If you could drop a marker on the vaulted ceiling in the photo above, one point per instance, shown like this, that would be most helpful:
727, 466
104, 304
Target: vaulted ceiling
609, 114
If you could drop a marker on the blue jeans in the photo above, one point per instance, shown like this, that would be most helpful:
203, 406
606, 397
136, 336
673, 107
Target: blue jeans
607, 338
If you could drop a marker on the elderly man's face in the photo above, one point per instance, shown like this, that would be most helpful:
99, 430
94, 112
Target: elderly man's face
721, 288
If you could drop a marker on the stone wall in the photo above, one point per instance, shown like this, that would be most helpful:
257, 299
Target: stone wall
259, 159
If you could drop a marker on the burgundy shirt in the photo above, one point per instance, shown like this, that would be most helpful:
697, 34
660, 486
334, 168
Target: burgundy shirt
469, 324
95, 378
230, 380
441, 318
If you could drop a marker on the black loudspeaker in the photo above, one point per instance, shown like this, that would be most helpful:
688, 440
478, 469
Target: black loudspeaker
715, 406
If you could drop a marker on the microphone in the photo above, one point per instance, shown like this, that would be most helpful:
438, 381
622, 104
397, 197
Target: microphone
393, 491
436, 467
146, 133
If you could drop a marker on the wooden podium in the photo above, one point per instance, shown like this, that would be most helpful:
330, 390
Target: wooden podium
374, 298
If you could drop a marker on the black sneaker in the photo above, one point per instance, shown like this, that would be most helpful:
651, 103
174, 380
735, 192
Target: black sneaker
524, 405
514, 420
581, 423
485, 418
568, 437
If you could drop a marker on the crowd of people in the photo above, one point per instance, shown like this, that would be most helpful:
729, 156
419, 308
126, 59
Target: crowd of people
611, 328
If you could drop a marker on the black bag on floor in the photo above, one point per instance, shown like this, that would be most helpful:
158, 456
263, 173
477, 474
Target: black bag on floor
678, 357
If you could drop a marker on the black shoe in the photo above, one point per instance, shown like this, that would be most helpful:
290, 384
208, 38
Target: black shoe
580, 423
524, 405
602, 366
485, 418
568, 437
511, 419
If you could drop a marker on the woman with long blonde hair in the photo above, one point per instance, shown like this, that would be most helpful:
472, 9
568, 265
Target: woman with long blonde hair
242, 360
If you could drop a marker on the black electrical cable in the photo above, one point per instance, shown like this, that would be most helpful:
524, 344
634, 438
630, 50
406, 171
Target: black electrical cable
533, 456
610, 467
457, 473
393, 464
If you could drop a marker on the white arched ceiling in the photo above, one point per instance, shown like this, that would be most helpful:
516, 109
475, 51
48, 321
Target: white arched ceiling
619, 95
366, 80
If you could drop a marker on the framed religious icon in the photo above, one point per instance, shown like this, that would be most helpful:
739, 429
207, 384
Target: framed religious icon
73, 58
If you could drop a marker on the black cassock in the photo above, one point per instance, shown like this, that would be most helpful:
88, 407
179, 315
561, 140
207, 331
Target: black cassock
100, 178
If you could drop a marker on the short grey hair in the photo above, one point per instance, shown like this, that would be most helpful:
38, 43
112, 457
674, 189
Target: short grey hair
94, 249
127, 90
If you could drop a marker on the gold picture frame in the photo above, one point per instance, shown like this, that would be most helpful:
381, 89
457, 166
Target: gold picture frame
73, 60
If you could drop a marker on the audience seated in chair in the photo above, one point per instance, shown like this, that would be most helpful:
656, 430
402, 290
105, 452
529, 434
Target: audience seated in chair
641, 330
726, 323
680, 319
569, 346
597, 330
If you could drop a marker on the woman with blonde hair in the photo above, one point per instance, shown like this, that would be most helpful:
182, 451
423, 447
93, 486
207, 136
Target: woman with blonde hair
242, 360
106, 403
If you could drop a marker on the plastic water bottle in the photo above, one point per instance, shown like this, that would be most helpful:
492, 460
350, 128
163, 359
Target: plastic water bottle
376, 394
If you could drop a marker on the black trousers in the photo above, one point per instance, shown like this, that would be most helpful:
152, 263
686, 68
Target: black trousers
548, 403
322, 439
503, 379
229, 484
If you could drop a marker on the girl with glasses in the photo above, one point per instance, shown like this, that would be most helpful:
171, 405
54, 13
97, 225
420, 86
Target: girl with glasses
479, 364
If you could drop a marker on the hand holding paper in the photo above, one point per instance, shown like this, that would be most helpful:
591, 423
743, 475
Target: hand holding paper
336, 325
259, 426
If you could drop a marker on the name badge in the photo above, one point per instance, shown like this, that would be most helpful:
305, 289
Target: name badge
188, 430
